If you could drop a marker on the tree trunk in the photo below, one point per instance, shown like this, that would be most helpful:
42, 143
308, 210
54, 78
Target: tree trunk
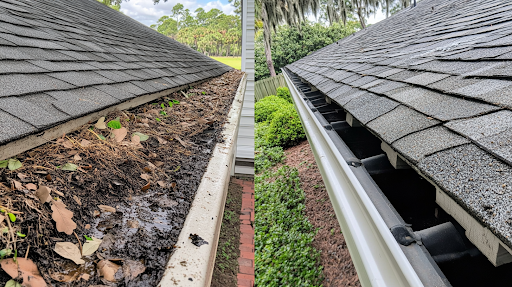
360, 14
266, 36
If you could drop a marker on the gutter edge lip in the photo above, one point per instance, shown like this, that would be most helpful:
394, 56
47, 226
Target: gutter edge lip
370, 233
207, 209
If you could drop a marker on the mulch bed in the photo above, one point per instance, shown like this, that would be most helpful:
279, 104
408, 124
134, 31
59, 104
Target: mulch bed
338, 268
134, 196
226, 263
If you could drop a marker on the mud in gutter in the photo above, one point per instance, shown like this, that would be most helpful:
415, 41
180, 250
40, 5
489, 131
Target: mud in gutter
419, 258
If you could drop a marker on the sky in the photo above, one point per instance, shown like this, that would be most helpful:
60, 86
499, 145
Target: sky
147, 13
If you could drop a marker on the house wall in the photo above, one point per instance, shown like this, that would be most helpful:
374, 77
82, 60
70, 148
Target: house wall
245, 142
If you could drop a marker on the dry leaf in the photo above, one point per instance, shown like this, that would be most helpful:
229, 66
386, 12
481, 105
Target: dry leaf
87, 226
145, 176
96, 213
43, 193
78, 201
85, 276
17, 185
77, 157
132, 269
161, 140
29, 272
49, 177
161, 183
106, 208
68, 144
173, 185
146, 187
62, 217
108, 270
132, 224
58, 192
90, 246
85, 143
70, 251
181, 142
31, 186
101, 124
158, 163
73, 152
120, 134
23, 177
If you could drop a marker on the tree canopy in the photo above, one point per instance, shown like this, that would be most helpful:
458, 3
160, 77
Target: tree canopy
211, 32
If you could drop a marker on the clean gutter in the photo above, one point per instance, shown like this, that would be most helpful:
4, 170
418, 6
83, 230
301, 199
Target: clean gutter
191, 265
377, 256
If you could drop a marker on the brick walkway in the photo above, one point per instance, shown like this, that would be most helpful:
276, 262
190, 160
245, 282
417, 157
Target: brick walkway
246, 260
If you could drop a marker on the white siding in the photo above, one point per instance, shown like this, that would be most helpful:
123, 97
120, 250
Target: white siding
245, 141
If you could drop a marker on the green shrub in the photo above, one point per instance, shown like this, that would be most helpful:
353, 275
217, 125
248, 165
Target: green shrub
265, 107
285, 128
283, 235
284, 93
267, 157
260, 135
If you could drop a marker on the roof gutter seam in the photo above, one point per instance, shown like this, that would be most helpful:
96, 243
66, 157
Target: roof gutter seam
378, 258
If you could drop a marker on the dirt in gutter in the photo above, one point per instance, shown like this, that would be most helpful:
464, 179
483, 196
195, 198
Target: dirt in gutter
133, 196
338, 268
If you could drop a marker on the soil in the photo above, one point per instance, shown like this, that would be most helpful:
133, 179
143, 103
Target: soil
338, 269
226, 263
150, 184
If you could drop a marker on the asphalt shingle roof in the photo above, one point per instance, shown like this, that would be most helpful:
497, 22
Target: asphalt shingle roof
435, 83
63, 59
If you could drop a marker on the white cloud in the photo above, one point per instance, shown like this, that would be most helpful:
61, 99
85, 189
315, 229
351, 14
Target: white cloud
148, 13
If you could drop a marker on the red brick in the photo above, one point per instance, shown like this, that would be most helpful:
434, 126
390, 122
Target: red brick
245, 222
245, 283
247, 196
246, 248
252, 216
246, 270
247, 255
245, 217
247, 240
245, 262
245, 228
245, 276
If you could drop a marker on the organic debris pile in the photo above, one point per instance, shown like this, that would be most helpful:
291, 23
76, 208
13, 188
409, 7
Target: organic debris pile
105, 205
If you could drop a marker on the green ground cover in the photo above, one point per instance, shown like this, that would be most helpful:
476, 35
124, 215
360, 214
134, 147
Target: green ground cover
235, 62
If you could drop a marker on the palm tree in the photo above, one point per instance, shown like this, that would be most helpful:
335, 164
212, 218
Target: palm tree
275, 12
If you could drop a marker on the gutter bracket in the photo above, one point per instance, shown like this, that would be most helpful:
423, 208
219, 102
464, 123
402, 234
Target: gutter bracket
404, 235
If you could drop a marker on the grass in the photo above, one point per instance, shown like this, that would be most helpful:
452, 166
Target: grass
235, 62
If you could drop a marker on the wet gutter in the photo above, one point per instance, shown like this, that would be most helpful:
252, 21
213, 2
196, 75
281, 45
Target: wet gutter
364, 214
192, 265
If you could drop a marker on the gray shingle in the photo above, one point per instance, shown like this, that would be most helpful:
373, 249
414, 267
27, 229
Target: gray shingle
483, 126
130, 88
115, 92
426, 142
27, 112
9, 67
12, 128
62, 66
426, 78
17, 84
79, 102
374, 109
81, 79
400, 122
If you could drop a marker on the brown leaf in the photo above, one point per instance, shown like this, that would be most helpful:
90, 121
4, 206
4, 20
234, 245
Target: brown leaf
90, 246
120, 134
147, 169
86, 167
145, 176
63, 217
106, 208
31, 186
101, 124
86, 276
173, 185
66, 278
161, 183
68, 144
23, 177
49, 177
132, 224
87, 226
161, 140
96, 213
73, 152
29, 272
181, 142
107, 270
158, 163
17, 185
132, 269
69, 251
43, 193
77, 157
85, 143
78, 201
58, 192
146, 187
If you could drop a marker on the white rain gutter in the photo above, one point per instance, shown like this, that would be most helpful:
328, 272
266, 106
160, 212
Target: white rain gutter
378, 258
190, 265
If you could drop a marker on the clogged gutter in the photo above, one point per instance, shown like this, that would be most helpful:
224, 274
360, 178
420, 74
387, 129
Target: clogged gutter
129, 185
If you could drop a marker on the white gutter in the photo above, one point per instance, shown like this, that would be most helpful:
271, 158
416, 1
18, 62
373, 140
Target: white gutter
190, 265
378, 258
